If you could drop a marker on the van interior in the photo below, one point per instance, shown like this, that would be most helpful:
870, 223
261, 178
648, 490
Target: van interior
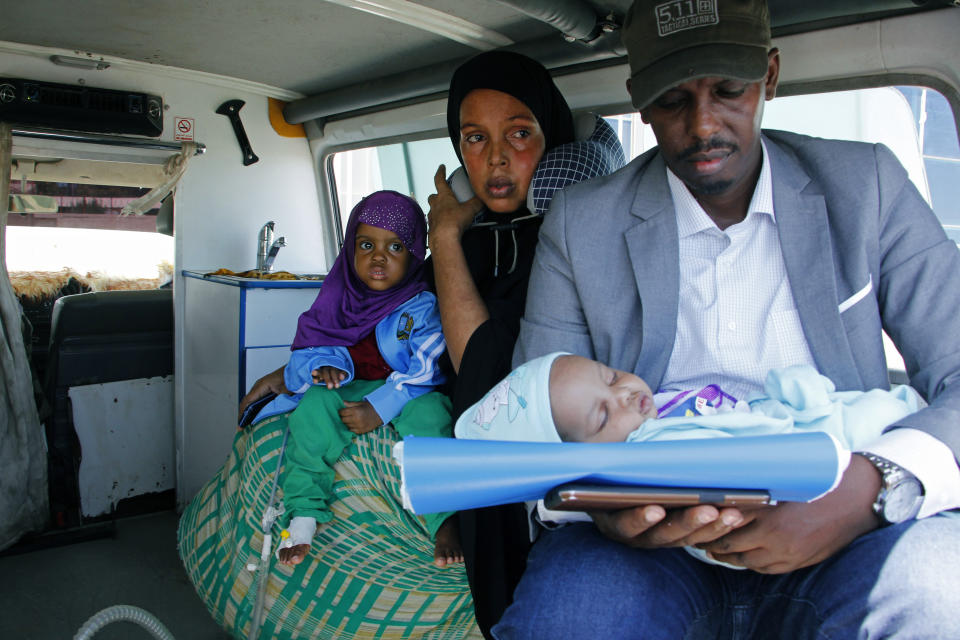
179, 178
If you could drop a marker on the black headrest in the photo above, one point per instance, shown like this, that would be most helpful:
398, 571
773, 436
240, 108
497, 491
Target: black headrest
105, 312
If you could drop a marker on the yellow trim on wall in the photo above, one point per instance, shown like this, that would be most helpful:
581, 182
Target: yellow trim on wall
279, 124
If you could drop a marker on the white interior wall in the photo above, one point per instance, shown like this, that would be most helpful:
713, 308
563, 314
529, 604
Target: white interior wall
220, 204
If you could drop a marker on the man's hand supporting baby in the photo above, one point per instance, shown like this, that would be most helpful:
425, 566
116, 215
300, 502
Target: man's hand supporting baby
771, 539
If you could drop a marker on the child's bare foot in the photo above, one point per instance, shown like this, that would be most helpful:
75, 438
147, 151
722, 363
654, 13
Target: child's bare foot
294, 555
447, 549
296, 540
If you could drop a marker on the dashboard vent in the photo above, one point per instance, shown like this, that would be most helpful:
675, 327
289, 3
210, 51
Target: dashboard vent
79, 108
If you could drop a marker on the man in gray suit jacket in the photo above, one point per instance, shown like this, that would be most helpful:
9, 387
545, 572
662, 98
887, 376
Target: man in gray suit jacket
722, 253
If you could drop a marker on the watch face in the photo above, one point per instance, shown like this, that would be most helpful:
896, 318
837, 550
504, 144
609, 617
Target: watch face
902, 501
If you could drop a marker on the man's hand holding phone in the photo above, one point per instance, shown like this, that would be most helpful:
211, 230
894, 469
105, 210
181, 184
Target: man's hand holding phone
652, 517
652, 526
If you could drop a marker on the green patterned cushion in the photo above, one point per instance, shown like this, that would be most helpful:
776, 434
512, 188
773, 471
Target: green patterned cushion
369, 573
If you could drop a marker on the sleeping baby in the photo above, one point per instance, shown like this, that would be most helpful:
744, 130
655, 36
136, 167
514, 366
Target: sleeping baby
565, 398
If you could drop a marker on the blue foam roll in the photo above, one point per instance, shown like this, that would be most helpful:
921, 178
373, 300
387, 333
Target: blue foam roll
445, 474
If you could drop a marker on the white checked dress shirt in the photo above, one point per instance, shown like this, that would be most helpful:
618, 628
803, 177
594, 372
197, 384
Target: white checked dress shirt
737, 320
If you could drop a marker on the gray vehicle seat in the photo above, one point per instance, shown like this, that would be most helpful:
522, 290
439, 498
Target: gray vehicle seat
95, 338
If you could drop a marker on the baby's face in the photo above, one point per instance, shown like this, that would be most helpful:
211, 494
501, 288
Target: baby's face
593, 403
380, 260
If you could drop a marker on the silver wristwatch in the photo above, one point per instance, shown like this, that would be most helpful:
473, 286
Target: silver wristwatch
901, 493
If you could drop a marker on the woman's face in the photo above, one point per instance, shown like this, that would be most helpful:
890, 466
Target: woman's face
501, 143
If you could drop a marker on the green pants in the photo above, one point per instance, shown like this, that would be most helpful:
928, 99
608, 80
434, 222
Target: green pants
318, 437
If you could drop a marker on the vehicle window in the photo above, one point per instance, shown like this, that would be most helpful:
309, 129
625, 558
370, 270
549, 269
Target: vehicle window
409, 167
940, 149
406, 167
635, 136
77, 229
65, 238
915, 122
868, 115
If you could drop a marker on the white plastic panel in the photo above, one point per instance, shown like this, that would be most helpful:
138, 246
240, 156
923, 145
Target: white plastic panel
271, 315
264, 360
207, 373
211, 374
126, 433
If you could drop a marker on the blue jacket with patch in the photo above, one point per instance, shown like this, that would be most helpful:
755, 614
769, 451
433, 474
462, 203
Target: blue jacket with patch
410, 340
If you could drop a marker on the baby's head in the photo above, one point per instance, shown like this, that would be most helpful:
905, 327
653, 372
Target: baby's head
386, 235
590, 402
560, 397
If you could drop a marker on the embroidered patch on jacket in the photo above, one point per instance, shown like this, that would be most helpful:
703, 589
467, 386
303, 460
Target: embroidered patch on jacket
405, 326
679, 15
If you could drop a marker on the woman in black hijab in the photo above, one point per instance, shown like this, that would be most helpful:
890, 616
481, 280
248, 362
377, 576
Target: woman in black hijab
503, 113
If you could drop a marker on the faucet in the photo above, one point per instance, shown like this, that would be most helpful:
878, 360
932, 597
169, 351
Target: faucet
267, 248
264, 241
272, 254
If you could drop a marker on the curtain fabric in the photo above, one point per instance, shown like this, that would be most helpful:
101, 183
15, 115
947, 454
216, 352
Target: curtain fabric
23, 457
173, 170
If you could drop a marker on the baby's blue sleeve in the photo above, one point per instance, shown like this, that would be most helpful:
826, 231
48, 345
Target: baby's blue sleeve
297, 374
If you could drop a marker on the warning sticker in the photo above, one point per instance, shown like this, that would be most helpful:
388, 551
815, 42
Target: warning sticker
679, 15
182, 128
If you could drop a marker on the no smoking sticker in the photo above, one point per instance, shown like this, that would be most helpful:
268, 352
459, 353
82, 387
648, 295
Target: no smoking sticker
182, 128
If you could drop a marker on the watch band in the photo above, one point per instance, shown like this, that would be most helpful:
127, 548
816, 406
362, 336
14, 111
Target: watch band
883, 465
893, 478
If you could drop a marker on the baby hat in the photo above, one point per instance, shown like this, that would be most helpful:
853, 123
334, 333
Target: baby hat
517, 408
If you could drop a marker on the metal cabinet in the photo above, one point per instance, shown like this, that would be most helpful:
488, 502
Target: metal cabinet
234, 331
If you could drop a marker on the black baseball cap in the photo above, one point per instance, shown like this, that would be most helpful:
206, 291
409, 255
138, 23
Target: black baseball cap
669, 42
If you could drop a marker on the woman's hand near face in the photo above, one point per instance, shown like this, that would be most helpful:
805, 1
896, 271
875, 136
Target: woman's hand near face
448, 218
461, 308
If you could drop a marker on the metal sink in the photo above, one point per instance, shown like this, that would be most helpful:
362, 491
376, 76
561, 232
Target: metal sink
277, 276
247, 279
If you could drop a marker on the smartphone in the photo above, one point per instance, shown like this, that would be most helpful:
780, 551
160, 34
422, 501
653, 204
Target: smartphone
576, 496
254, 408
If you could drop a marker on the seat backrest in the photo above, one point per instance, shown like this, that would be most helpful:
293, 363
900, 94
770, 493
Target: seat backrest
598, 153
106, 336
165, 216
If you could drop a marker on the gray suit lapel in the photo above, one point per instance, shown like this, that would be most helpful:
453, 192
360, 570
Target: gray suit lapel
806, 245
652, 246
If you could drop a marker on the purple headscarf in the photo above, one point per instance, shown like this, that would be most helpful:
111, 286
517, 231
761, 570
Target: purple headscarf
346, 309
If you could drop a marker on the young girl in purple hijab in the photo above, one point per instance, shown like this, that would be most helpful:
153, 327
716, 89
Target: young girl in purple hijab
365, 354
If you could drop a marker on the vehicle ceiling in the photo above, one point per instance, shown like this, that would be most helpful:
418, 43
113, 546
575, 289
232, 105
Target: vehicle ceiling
313, 47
